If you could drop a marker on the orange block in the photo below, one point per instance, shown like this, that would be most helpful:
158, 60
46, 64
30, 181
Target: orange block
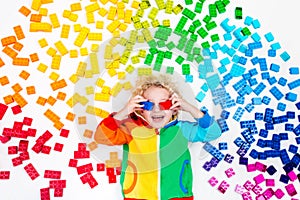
51, 100
10, 52
58, 84
61, 96
88, 133
20, 100
25, 11
16, 87
92, 146
21, 61
18, 46
4, 80
36, 17
34, 57
8, 99
24, 75
19, 32
30, 90
58, 125
51, 116
41, 101
70, 116
1, 63
8, 40
82, 120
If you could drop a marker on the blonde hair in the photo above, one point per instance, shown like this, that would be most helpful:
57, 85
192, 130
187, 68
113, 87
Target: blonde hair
162, 81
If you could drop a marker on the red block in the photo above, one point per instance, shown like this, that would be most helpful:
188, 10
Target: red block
58, 147
100, 167
73, 163
37, 147
85, 168
4, 139
64, 133
12, 150
16, 109
45, 193
4, 175
86, 177
3, 109
16, 161
81, 146
118, 170
112, 179
31, 171
17, 126
52, 174
58, 192
23, 145
92, 182
24, 156
57, 184
27, 121
46, 149
110, 171
31, 132
81, 154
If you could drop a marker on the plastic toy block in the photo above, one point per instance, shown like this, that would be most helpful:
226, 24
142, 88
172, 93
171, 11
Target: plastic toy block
225, 114
223, 187
294, 70
213, 181
223, 146
294, 84
251, 168
229, 172
284, 179
272, 80
291, 96
285, 56
4, 175
281, 106
272, 53
31, 171
243, 160
298, 140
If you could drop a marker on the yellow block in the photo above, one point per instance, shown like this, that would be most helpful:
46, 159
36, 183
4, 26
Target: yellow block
40, 26
56, 59
42, 67
61, 48
54, 20
82, 36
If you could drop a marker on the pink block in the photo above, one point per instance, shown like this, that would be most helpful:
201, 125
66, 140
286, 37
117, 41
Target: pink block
279, 193
240, 189
260, 167
223, 187
270, 182
291, 189
213, 181
257, 189
259, 179
268, 193
260, 197
246, 196
251, 168
229, 172
248, 185
292, 175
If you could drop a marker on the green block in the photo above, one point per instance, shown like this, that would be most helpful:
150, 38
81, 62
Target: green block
189, 46
184, 33
205, 45
153, 50
226, 2
170, 70
180, 25
215, 38
211, 25
196, 23
207, 19
221, 6
196, 51
152, 43
179, 60
170, 45
198, 7
192, 28
185, 69
188, 13
199, 59
246, 31
148, 59
202, 32
157, 67
168, 54
212, 10
161, 43
188, 2
180, 46
238, 13
194, 37
190, 57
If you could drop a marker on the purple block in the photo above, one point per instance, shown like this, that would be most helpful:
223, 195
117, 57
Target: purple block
207, 166
228, 158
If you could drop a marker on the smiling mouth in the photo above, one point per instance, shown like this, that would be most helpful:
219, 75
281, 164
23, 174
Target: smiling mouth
157, 118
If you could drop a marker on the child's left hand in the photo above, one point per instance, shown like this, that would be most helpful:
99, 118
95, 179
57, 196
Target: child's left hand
179, 103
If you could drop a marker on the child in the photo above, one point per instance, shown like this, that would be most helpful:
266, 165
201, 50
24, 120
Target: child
156, 159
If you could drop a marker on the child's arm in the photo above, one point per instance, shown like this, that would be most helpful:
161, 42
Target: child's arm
114, 130
203, 130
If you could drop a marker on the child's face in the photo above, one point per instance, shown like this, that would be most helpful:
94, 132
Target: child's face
156, 117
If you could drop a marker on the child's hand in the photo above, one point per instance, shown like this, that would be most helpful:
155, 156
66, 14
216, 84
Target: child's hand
181, 104
132, 105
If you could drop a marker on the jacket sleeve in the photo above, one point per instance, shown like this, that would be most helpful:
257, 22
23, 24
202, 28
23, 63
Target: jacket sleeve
205, 129
112, 132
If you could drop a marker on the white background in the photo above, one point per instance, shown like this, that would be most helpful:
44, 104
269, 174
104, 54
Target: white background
278, 17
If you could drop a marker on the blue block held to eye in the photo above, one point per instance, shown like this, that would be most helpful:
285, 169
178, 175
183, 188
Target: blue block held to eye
147, 105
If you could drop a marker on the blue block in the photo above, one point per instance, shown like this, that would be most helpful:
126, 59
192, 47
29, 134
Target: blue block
246, 76
284, 156
200, 96
223, 125
298, 105
294, 70
224, 24
254, 154
243, 161
294, 84
249, 52
290, 115
247, 124
255, 45
227, 36
228, 158
223, 146
259, 88
242, 60
224, 48
274, 67
271, 170
289, 127
272, 80
255, 23
275, 46
272, 53
238, 142
255, 37
256, 101
291, 97
259, 116
282, 81
242, 48
266, 100
284, 136
293, 148
240, 100
269, 37
236, 43
281, 106
284, 179
253, 72
216, 46
189, 78
285, 56
255, 60
252, 81
297, 130
225, 114
276, 93
265, 75
225, 61
261, 143
263, 64
231, 52
268, 116
263, 133
248, 20
297, 140
222, 69
269, 126
235, 59
288, 167
262, 156
249, 107
296, 160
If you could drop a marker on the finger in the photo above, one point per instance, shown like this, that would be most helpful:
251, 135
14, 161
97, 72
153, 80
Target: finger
176, 105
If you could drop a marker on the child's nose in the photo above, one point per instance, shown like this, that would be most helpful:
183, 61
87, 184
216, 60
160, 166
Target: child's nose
156, 108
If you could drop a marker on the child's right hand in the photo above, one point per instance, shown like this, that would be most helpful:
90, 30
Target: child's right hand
132, 105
